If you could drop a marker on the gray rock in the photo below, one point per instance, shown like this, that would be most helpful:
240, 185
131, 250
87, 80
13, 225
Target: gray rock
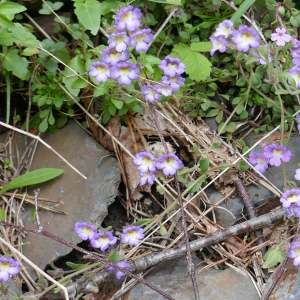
235, 205
288, 286
85, 200
171, 278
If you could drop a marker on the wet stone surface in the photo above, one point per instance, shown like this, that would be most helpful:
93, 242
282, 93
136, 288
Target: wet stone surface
85, 200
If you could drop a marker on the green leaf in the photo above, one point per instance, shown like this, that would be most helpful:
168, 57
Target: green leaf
212, 113
217, 144
142, 222
6, 39
79, 84
88, 14
197, 65
244, 166
2, 214
30, 51
281, 92
13, 62
242, 9
116, 257
231, 127
33, 177
57, 5
197, 151
151, 60
196, 187
273, 257
108, 6
75, 266
5, 22
117, 103
11, 8
204, 164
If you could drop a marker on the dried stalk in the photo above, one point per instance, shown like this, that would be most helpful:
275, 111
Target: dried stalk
89, 254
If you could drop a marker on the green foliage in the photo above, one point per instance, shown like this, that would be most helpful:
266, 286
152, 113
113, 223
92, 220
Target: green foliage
115, 257
88, 13
33, 177
273, 257
197, 65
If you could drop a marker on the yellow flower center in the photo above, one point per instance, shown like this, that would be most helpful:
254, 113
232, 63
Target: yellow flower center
124, 70
298, 251
172, 66
102, 69
140, 37
126, 17
277, 152
115, 56
169, 160
119, 39
103, 238
247, 36
88, 229
292, 198
152, 92
131, 233
297, 77
4, 266
147, 160
261, 160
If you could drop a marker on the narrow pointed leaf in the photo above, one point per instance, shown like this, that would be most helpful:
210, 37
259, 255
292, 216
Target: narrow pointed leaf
34, 177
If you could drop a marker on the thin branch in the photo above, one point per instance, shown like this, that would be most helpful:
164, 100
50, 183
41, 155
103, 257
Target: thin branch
153, 259
36, 198
89, 254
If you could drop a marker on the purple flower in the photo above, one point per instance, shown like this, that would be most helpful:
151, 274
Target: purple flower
103, 240
297, 175
293, 210
121, 264
132, 235
296, 46
281, 37
119, 41
295, 73
224, 29
289, 197
8, 266
128, 18
141, 39
172, 66
169, 164
148, 176
218, 43
298, 121
145, 162
259, 161
296, 57
112, 56
151, 93
100, 71
274, 153
295, 252
175, 82
165, 89
244, 38
85, 231
124, 72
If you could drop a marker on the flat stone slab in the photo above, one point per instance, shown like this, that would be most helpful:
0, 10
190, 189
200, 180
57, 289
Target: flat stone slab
85, 200
171, 277
288, 286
